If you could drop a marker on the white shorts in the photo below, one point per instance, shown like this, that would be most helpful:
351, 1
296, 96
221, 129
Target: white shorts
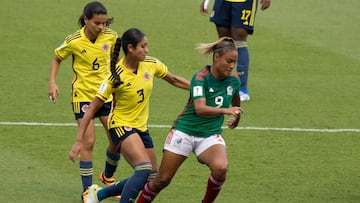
183, 144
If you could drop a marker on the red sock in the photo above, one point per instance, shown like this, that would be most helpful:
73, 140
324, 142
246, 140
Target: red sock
213, 189
146, 195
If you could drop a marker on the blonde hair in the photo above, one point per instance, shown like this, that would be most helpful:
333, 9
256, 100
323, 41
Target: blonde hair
220, 46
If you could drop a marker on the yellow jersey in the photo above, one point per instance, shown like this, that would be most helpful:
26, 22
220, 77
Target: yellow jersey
131, 99
90, 61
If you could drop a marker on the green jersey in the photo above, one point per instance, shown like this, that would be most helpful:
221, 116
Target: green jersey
218, 93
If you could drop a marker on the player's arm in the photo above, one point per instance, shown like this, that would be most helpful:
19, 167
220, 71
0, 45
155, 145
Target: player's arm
53, 88
177, 81
264, 4
234, 121
96, 104
202, 109
204, 7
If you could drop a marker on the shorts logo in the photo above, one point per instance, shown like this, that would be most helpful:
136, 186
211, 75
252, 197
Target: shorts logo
127, 128
85, 107
178, 141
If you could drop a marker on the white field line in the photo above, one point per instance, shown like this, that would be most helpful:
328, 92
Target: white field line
168, 126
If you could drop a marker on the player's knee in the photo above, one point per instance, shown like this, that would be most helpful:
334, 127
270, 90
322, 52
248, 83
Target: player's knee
88, 145
219, 170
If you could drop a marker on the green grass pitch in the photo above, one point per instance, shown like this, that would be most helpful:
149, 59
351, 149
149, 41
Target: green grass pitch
298, 139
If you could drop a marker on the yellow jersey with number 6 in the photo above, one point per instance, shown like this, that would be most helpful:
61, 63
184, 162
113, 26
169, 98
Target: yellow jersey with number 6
90, 61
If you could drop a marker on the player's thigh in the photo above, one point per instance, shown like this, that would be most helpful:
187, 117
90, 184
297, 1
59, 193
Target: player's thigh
169, 165
89, 136
212, 151
133, 150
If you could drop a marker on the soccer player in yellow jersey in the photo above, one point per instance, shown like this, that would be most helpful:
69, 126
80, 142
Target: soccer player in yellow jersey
236, 18
90, 49
130, 84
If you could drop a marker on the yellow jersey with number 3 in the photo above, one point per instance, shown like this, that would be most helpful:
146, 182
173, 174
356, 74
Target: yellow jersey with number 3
90, 61
131, 99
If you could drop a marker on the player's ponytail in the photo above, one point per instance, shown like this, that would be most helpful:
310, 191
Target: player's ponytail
220, 46
114, 59
81, 20
131, 37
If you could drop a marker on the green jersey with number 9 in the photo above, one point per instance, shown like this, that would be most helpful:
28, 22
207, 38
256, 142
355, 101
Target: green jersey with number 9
217, 93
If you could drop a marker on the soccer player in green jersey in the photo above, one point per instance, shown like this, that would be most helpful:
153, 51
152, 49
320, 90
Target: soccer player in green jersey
130, 84
236, 18
198, 128
90, 49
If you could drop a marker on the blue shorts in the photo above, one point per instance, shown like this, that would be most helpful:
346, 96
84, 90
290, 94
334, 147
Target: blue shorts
235, 14
79, 109
119, 134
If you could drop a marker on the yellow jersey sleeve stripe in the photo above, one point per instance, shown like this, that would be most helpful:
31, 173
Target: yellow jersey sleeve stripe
150, 59
73, 36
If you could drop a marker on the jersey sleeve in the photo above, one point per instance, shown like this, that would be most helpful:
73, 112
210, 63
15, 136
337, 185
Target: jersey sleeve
63, 51
197, 87
105, 90
161, 69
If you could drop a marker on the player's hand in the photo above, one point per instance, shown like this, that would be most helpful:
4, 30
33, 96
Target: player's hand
75, 151
203, 7
53, 92
264, 4
235, 111
233, 122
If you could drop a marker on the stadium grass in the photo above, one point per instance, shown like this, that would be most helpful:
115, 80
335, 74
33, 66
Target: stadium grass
303, 74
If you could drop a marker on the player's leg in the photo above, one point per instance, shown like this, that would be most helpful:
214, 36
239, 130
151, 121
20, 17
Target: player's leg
242, 67
221, 18
86, 164
149, 145
223, 31
134, 152
177, 148
215, 157
169, 164
242, 24
129, 143
112, 157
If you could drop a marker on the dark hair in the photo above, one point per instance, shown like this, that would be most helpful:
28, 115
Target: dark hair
132, 36
92, 8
